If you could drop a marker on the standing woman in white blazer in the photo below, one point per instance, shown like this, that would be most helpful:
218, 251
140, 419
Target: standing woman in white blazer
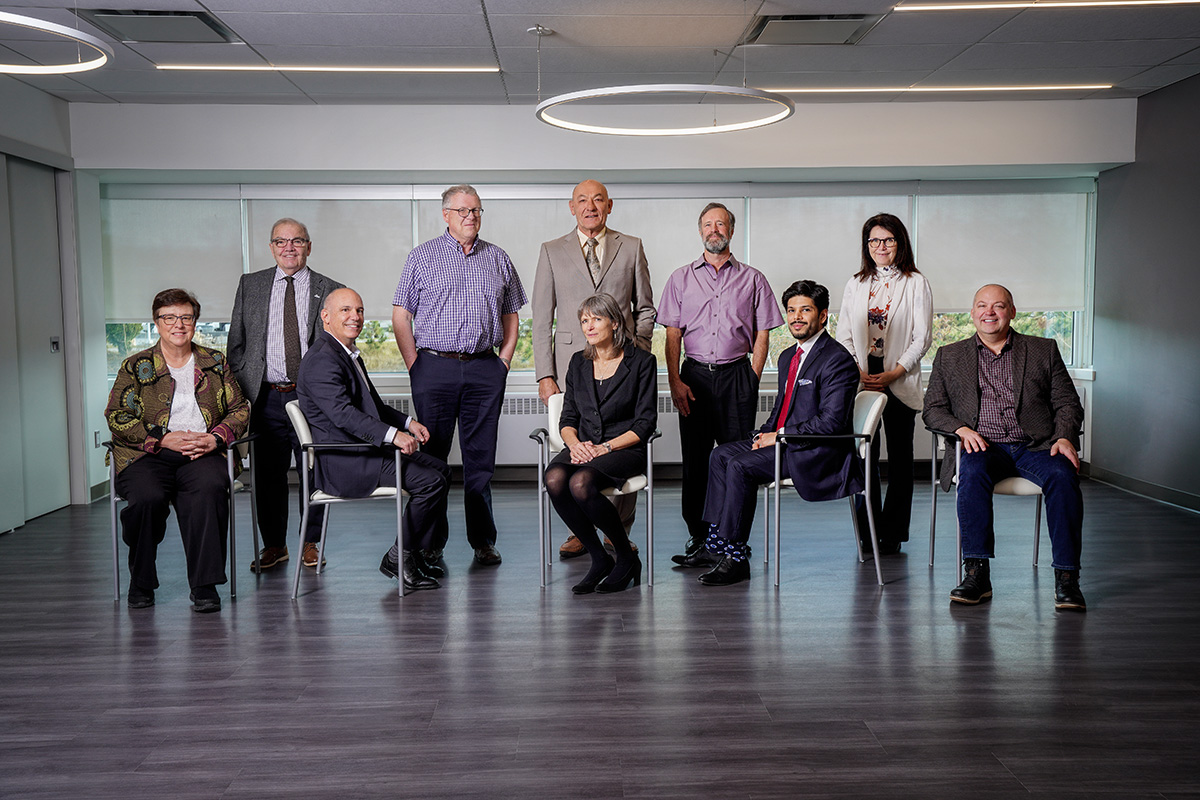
886, 322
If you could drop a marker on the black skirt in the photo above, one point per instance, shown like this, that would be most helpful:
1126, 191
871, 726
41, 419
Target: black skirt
619, 465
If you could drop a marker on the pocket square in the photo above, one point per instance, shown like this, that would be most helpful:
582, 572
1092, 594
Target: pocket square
804, 382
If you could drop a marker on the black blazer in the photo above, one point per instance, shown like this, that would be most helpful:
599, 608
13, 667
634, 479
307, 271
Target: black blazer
342, 407
1048, 407
822, 403
631, 404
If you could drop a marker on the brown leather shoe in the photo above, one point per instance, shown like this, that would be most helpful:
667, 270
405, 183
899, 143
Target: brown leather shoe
309, 555
269, 557
608, 543
571, 548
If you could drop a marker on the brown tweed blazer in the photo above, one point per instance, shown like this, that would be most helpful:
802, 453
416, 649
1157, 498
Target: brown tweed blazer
1048, 407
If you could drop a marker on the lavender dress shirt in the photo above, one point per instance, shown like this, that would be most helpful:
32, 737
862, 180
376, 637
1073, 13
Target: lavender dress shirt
457, 300
718, 312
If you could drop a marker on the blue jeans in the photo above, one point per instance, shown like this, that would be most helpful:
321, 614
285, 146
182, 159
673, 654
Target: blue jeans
979, 472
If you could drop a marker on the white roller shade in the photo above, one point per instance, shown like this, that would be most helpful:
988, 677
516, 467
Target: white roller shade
151, 245
1035, 244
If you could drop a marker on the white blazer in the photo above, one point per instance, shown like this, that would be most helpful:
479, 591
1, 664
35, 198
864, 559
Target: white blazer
909, 331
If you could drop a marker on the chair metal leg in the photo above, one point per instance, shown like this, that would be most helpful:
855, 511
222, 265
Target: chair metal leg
778, 450
766, 524
650, 515
543, 522
320, 542
399, 524
112, 519
933, 489
1037, 529
232, 529
862, 556
871, 526
254, 510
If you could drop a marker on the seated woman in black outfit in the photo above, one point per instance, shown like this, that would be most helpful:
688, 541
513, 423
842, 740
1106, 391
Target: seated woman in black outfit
609, 412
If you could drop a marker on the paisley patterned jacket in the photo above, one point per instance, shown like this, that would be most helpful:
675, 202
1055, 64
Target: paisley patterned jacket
139, 405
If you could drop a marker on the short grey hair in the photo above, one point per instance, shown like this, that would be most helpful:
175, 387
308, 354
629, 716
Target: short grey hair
723, 207
606, 306
462, 188
290, 221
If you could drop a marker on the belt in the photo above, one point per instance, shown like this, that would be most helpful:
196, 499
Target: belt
282, 388
716, 367
459, 356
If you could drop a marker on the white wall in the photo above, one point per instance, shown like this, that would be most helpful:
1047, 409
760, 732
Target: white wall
33, 124
919, 140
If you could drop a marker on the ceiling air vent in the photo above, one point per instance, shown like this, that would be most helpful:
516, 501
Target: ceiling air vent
788, 29
180, 27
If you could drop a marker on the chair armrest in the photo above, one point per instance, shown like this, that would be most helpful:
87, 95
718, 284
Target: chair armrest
656, 435
954, 437
540, 435
788, 437
342, 445
249, 437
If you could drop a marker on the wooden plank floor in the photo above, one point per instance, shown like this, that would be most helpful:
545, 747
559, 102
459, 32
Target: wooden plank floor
494, 688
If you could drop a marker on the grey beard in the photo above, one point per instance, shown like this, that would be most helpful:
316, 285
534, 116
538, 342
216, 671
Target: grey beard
716, 246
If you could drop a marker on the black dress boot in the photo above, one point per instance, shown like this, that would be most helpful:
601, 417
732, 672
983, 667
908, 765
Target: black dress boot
977, 585
1066, 590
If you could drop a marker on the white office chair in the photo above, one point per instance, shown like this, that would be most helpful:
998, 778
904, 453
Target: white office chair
315, 497
868, 410
550, 441
233, 454
1015, 486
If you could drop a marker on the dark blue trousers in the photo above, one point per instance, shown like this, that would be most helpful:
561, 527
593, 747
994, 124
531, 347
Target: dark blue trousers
979, 473
467, 394
735, 473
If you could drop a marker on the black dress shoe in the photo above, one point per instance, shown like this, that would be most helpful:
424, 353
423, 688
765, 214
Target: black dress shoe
694, 544
487, 556
699, 558
727, 572
622, 577
1066, 590
138, 597
977, 585
414, 579
427, 567
598, 572
205, 600
886, 548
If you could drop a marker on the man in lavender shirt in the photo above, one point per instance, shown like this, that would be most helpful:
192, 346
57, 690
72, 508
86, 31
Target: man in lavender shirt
719, 310
456, 303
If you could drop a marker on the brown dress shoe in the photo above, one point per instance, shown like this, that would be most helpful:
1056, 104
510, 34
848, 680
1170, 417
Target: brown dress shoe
310, 554
269, 557
571, 548
608, 543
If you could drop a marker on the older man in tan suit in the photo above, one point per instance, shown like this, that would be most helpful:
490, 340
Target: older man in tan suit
590, 259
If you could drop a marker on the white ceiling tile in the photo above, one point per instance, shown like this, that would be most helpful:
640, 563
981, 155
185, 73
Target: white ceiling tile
325, 55
347, 6
940, 28
359, 30
832, 57
618, 31
1190, 57
1045, 55
119, 80
1017, 76
399, 85
1100, 24
1157, 77
211, 98
191, 53
616, 59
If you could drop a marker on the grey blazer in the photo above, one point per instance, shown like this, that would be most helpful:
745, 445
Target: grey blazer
563, 282
1048, 407
247, 347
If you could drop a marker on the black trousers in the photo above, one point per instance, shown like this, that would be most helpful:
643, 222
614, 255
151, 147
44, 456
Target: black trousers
893, 514
449, 393
723, 411
200, 492
427, 481
274, 450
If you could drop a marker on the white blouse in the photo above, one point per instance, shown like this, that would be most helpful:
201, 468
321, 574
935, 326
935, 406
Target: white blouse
185, 411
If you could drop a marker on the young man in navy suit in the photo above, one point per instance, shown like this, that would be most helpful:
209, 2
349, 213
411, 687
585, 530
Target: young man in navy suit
818, 382
341, 405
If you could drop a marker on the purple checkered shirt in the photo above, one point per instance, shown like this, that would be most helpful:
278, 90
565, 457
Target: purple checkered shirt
457, 300
997, 399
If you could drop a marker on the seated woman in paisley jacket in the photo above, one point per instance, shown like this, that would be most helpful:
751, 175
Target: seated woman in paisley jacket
172, 411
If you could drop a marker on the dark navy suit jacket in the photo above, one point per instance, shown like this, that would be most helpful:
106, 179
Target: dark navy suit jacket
822, 403
343, 407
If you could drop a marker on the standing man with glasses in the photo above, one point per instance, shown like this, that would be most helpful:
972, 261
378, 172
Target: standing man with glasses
591, 259
716, 310
264, 351
455, 304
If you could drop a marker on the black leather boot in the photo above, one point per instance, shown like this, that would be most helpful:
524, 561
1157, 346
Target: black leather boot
1066, 590
977, 585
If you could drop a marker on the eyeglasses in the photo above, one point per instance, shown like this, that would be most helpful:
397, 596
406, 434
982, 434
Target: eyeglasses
889, 243
170, 319
282, 243
467, 212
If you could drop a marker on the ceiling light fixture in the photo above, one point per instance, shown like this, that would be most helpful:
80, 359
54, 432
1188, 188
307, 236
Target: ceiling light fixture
785, 110
1046, 4
316, 68
102, 49
896, 89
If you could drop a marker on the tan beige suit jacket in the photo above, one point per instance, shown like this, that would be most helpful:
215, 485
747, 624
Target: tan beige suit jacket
563, 282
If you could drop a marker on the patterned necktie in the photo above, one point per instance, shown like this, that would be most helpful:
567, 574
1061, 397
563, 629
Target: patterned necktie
593, 263
793, 371
291, 330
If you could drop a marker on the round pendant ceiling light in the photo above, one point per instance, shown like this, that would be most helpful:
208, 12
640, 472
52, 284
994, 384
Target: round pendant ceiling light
781, 108
104, 52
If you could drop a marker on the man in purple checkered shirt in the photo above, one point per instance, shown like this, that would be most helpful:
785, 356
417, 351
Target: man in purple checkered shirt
456, 303
1010, 401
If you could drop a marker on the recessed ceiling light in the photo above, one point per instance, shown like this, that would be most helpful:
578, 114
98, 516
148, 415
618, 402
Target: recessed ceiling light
897, 89
1046, 4
315, 68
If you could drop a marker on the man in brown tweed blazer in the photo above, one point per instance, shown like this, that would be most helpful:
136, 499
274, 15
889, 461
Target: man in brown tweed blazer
1008, 397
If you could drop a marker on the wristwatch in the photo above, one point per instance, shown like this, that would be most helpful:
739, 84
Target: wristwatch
608, 446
